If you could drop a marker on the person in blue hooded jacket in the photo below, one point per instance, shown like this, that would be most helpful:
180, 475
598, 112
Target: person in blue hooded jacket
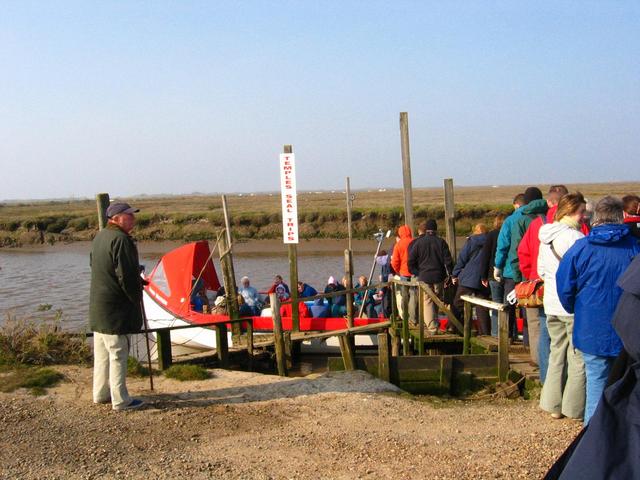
586, 285
467, 274
502, 269
609, 447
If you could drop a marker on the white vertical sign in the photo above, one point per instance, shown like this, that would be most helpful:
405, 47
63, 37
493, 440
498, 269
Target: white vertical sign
289, 198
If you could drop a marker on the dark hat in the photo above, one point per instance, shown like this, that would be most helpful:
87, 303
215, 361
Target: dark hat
120, 207
431, 225
531, 194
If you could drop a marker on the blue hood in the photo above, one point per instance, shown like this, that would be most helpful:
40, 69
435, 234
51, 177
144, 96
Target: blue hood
608, 233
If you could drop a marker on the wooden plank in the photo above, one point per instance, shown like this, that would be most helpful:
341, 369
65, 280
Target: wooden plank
384, 356
222, 345
406, 170
468, 312
484, 303
452, 318
281, 361
163, 343
503, 345
450, 217
346, 350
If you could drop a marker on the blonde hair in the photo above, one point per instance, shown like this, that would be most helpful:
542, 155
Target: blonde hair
568, 205
479, 228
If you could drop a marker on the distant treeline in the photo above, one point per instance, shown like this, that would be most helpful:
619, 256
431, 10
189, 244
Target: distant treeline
325, 223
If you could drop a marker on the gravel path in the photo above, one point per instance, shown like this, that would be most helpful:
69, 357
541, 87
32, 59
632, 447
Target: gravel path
251, 426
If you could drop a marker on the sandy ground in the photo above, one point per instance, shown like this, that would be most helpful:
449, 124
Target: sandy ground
244, 425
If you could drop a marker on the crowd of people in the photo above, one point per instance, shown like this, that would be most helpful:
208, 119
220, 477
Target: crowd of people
577, 248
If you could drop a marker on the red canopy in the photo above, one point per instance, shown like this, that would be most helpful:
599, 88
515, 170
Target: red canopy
172, 279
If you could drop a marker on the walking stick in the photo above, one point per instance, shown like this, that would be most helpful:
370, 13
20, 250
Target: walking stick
146, 337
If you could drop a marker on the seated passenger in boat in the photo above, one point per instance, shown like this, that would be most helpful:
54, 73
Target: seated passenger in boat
280, 288
366, 297
199, 300
252, 304
305, 290
336, 304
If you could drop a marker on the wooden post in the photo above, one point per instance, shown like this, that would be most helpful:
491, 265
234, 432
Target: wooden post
288, 349
420, 320
346, 349
250, 342
384, 357
163, 343
450, 217
229, 274
406, 169
222, 345
405, 332
348, 272
102, 202
503, 346
349, 205
278, 338
293, 273
466, 340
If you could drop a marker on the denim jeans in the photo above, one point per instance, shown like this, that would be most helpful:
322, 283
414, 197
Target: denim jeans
497, 295
597, 370
544, 346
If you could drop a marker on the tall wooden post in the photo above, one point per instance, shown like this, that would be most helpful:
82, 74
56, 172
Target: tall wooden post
348, 273
102, 202
278, 337
450, 216
420, 293
406, 170
349, 205
230, 275
293, 274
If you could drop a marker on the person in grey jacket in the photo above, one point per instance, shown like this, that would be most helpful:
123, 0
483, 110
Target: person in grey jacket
115, 309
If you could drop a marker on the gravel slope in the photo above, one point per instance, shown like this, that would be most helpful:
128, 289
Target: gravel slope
243, 425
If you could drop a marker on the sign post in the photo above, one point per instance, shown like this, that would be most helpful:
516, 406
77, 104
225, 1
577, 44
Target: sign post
290, 225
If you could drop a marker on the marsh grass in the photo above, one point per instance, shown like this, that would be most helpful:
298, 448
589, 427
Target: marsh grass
186, 373
136, 369
37, 380
257, 216
26, 341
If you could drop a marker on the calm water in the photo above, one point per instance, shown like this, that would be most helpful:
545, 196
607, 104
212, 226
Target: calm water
60, 276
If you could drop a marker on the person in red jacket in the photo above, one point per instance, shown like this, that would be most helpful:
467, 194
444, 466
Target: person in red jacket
399, 263
631, 205
539, 340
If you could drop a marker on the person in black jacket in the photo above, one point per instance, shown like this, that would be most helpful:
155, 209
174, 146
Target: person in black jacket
487, 258
430, 260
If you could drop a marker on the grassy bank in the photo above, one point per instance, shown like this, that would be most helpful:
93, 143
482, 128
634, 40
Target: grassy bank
257, 216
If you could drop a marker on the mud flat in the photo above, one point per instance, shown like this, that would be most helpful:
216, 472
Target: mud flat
245, 425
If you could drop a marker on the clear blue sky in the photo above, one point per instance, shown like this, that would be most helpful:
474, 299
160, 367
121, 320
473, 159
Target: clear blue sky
177, 97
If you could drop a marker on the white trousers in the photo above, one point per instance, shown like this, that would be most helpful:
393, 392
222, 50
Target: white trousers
110, 355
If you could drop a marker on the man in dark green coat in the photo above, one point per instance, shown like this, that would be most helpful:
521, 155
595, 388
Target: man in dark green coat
114, 306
